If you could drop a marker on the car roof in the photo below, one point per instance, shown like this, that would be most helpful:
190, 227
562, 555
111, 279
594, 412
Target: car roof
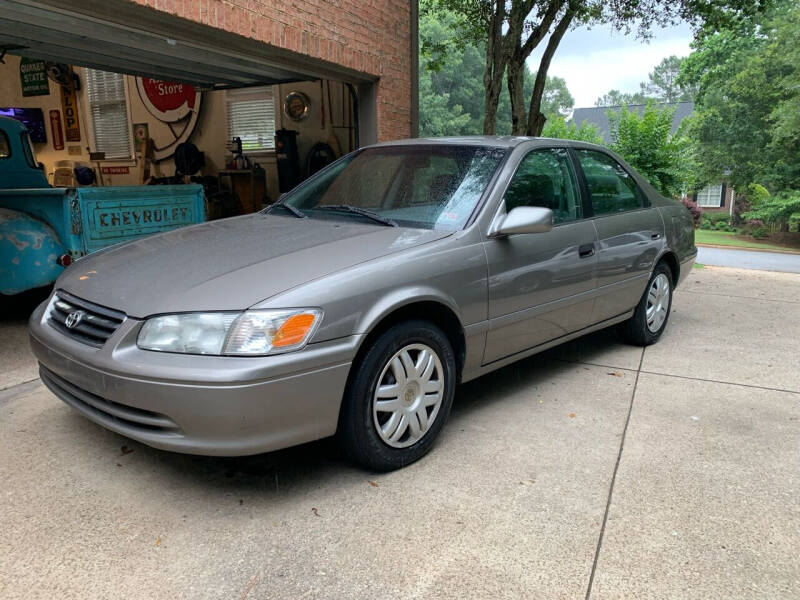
489, 141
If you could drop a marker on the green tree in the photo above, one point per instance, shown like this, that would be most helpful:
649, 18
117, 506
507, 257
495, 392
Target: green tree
453, 69
779, 210
617, 98
510, 30
557, 127
663, 85
646, 143
748, 100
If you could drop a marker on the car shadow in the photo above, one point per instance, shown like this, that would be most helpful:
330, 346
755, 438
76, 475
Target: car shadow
20, 306
292, 472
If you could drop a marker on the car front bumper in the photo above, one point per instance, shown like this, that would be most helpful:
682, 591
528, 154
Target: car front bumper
220, 406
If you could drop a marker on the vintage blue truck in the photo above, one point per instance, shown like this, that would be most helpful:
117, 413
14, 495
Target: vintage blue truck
43, 229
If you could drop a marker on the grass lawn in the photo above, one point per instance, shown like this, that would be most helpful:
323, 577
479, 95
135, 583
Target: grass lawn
727, 238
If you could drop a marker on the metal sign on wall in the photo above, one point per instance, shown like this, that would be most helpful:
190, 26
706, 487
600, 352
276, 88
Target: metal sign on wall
172, 103
55, 130
69, 106
33, 77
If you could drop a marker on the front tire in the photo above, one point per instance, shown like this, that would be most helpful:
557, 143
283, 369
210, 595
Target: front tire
650, 318
398, 397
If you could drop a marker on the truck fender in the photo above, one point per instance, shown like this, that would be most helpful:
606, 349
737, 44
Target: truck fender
29, 251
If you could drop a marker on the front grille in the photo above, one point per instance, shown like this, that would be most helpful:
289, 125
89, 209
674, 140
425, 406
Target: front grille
107, 412
91, 324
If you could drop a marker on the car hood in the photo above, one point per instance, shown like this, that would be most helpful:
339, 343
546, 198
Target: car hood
229, 264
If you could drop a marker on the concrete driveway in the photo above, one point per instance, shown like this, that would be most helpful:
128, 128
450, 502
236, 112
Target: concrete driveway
596, 470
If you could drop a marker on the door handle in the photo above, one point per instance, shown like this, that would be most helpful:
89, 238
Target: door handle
586, 250
655, 235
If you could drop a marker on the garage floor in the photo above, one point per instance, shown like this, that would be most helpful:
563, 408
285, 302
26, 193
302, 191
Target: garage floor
593, 470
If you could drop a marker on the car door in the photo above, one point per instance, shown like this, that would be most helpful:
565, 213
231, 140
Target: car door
629, 233
541, 284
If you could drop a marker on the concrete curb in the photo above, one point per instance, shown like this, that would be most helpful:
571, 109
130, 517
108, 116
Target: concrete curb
719, 247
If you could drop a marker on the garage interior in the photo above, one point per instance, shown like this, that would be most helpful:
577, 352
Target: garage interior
216, 86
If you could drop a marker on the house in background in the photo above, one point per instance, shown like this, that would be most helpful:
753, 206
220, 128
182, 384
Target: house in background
717, 197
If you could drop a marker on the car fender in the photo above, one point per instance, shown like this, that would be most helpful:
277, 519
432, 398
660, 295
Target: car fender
29, 251
398, 299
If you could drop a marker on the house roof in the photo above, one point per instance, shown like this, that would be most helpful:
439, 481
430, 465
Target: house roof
598, 115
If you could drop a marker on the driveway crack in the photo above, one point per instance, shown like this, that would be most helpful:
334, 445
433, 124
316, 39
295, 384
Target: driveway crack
614, 479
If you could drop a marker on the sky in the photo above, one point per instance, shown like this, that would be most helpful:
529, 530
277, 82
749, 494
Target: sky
598, 60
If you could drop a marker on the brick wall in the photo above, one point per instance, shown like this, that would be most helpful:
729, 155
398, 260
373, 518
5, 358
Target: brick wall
370, 36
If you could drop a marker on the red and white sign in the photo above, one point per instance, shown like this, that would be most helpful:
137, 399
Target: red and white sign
168, 101
115, 170
55, 130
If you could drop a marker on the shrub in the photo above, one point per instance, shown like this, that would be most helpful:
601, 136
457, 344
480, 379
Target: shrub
694, 210
759, 232
779, 210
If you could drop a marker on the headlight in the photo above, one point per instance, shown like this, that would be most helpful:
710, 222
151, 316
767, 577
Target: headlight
249, 333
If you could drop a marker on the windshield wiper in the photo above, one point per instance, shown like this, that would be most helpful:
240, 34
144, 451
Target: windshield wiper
291, 209
360, 211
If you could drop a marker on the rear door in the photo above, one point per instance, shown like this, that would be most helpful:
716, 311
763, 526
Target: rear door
541, 284
629, 233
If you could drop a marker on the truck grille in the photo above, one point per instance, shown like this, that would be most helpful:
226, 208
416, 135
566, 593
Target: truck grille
84, 321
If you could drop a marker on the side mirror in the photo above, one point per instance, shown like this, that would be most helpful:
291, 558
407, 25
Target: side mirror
523, 219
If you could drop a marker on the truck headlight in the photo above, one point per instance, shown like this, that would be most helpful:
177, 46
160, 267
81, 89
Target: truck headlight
249, 333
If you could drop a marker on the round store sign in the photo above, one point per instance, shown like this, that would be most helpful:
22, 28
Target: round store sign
168, 101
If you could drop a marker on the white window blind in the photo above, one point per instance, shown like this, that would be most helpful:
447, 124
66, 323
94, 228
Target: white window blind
251, 117
109, 112
710, 196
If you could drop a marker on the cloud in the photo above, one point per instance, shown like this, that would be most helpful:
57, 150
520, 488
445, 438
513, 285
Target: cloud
595, 61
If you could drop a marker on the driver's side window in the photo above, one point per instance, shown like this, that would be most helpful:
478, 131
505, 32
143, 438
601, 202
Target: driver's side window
546, 178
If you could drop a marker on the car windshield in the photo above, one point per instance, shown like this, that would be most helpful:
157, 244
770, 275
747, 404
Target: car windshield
422, 186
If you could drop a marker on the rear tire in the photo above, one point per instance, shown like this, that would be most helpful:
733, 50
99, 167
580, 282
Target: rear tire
398, 397
652, 313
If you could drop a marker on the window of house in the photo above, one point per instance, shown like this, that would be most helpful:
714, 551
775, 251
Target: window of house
545, 178
251, 117
108, 110
611, 187
710, 196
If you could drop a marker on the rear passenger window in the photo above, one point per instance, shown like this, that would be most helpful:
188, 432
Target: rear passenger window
545, 178
5, 147
612, 189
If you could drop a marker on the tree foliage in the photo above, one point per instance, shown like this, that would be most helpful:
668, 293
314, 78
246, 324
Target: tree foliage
747, 120
646, 143
510, 30
663, 85
778, 211
451, 79
557, 127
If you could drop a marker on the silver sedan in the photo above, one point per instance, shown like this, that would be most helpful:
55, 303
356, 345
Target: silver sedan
356, 304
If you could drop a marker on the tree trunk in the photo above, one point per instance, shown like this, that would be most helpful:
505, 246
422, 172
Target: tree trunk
515, 72
495, 67
536, 119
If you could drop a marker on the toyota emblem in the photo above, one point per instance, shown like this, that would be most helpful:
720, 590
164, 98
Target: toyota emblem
74, 318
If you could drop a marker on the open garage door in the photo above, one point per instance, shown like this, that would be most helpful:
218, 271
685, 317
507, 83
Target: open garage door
124, 37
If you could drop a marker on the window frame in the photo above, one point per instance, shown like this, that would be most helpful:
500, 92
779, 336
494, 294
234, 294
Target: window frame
720, 200
587, 193
570, 162
230, 96
90, 125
